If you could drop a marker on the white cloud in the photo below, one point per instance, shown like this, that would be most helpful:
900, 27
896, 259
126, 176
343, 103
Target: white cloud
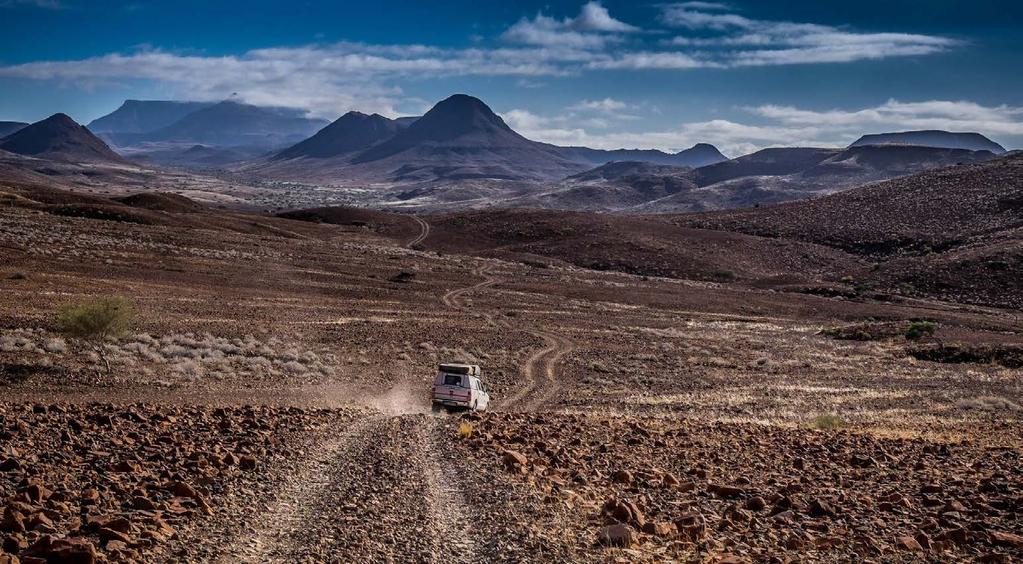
651, 60
605, 105
593, 28
683, 15
782, 126
595, 17
741, 41
893, 114
730, 137
546, 31
327, 79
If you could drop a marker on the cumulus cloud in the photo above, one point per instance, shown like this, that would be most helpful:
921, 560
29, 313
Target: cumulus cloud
593, 28
781, 126
327, 79
595, 17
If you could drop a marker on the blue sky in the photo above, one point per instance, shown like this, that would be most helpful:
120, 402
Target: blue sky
742, 74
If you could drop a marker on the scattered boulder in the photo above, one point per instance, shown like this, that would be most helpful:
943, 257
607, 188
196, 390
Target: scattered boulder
908, 543
247, 463
616, 535
691, 526
623, 477
1006, 539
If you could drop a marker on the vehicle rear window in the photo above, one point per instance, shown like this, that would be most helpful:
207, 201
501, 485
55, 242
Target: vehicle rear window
452, 380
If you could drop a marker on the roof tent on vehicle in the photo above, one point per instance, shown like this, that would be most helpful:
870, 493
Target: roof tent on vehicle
470, 369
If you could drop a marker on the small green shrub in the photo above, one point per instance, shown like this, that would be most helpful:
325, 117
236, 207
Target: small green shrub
828, 421
919, 329
96, 320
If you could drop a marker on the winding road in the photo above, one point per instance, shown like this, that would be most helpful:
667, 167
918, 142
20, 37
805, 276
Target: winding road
424, 231
539, 373
387, 488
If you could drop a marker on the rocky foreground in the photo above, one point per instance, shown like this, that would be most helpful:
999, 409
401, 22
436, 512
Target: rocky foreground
105, 483
145, 482
690, 491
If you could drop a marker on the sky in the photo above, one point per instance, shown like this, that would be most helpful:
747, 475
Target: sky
742, 75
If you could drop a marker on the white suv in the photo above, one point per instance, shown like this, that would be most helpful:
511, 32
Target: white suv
458, 387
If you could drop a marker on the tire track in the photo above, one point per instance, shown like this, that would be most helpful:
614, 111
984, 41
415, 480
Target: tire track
539, 370
278, 530
424, 231
379, 491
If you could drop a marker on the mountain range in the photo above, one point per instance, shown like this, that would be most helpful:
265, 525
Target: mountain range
765, 177
462, 154
168, 133
460, 138
144, 116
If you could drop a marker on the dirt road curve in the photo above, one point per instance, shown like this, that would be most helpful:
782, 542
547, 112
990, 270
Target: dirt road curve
539, 380
424, 231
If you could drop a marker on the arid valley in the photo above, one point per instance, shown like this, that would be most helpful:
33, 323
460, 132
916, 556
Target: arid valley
721, 283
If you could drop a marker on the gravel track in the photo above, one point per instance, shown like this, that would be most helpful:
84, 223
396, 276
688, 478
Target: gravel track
379, 491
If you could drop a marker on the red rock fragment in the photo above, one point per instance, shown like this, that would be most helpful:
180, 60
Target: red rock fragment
616, 535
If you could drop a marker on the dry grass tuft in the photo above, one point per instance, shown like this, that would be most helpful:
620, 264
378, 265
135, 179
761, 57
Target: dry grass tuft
828, 421
464, 430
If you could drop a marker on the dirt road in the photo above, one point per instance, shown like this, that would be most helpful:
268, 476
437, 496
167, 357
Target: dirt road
424, 231
539, 381
380, 490
391, 487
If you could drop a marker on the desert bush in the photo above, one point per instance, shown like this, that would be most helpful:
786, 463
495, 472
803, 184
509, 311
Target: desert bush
919, 329
872, 331
828, 421
464, 430
96, 321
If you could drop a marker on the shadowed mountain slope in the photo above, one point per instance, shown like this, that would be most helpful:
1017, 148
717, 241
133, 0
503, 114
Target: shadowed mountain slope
9, 127
59, 137
351, 132
143, 116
